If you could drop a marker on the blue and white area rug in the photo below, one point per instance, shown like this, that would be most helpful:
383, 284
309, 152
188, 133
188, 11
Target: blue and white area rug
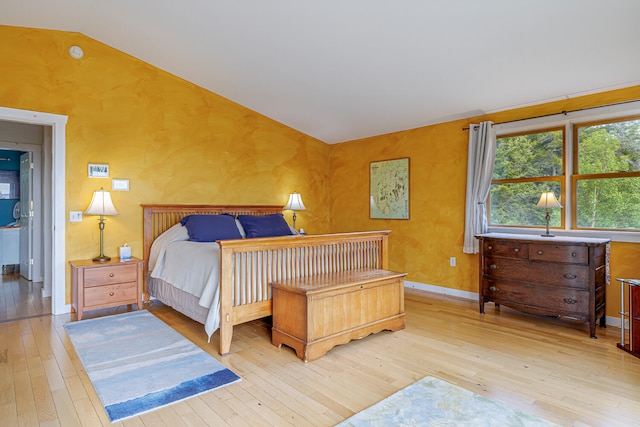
137, 363
432, 402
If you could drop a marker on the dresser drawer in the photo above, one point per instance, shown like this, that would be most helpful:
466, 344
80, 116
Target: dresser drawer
506, 248
559, 253
549, 299
576, 276
121, 293
111, 274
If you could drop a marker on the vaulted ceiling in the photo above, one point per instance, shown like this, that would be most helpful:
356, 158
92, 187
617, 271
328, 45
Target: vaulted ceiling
340, 70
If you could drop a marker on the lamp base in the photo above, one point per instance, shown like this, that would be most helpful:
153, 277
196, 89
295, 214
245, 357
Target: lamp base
101, 258
547, 235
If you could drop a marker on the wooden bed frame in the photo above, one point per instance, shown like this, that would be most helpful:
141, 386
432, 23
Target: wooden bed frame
249, 266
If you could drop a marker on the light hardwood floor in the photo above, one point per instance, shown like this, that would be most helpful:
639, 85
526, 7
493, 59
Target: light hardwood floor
547, 367
21, 299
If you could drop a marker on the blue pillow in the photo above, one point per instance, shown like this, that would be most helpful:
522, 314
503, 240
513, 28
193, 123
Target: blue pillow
209, 228
264, 225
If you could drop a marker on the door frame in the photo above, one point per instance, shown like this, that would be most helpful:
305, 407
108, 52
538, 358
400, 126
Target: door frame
54, 175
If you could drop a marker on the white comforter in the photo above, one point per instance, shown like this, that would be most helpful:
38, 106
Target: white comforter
193, 267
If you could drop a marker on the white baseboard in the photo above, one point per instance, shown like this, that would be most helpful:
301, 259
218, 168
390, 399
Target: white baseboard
610, 321
441, 290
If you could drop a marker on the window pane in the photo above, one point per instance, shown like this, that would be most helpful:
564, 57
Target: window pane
610, 147
515, 204
608, 203
529, 156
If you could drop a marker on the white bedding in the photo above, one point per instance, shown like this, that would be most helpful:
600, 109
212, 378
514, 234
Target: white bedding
193, 267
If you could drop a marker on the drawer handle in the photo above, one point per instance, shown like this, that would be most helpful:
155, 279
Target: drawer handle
494, 267
570, 300
111, 294
494, 288
570, 276
528, 286
573, 254
489, 247
540, 252
516, 249
111, 274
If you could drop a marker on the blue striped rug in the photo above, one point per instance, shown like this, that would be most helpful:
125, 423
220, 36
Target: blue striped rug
137, 363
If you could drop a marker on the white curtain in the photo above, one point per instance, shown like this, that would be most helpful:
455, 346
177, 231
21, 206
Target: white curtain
482, 153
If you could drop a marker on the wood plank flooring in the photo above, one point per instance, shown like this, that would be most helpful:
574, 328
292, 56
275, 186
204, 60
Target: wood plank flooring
547, 367
21, 299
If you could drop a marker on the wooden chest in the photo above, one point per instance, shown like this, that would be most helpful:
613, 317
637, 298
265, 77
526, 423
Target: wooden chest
551, 276
314, 314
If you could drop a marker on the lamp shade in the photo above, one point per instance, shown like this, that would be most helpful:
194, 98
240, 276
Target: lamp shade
101, 204
548, 200
295, 203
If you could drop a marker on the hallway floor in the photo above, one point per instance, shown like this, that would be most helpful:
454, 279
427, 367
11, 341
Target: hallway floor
21, 299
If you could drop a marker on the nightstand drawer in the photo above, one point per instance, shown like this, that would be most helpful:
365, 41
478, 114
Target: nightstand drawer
112, 274
121, 293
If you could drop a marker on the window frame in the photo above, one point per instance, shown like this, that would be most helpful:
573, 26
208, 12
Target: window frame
568, 121
559, 178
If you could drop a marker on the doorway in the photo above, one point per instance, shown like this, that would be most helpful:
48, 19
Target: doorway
52, 199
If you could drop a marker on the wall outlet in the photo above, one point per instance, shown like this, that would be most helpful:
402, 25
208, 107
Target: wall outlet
452, 261
75, 216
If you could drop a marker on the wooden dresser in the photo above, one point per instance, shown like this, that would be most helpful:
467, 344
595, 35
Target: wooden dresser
108, 284
550, 276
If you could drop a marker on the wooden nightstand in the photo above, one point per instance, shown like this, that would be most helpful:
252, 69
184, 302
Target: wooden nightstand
106, 284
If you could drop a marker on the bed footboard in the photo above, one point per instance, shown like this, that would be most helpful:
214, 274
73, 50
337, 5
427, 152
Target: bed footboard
249, 266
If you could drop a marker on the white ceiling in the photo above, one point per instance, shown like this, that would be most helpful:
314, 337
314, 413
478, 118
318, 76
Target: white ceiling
340, 70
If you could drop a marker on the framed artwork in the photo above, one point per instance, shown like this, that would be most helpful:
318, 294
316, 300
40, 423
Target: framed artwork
120, 184
98, 171
389, 189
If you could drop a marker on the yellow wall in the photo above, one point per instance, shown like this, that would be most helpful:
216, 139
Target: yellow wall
178, 143
174, 141
423, 245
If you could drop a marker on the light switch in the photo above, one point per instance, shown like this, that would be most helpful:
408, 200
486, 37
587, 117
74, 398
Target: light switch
75, 216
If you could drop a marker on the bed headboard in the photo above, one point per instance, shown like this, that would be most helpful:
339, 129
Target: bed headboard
159, 218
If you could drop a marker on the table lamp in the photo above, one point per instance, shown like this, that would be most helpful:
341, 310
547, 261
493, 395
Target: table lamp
548, 201
295, 204
102, 205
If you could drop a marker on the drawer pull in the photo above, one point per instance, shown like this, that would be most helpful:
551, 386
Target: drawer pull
111, 294
110, 274
494, 267
528, 286
494, 288
570, 300
489, 247
573, 254
516, 249
570, 276
540, 252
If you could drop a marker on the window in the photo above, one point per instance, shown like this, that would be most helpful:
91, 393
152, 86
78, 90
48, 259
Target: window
589, 159
607, 175
526, 165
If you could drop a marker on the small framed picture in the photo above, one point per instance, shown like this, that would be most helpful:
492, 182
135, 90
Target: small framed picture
120, 185
98, 171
